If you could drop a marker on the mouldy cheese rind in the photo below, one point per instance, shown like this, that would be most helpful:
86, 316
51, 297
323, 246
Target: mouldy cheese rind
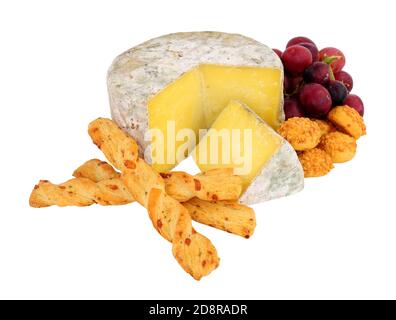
275, 170
137, 75
281, 177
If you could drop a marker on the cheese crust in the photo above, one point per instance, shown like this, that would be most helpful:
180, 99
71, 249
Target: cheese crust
141, 72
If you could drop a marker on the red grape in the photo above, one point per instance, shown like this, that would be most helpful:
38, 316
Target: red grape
278, 52
314, 50
296, 59
345, 78
292, 84
315, 100
338, 92
298, 40
329, 52
286, 84
355, 102
292, 108
318, 72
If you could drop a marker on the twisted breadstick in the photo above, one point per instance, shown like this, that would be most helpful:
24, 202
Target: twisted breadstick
110, 190
194, 252
213, 185
216, 184
69, 193
224, 215
80, 192
96, 171
119, 148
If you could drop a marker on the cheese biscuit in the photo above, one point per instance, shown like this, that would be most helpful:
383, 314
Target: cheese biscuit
339, 146
325, 126
348, 120
301, 133
315, 162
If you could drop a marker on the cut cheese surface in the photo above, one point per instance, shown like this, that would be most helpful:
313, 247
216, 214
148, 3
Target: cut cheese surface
240, 139
196, 99
260, 88
184, 81
170, 111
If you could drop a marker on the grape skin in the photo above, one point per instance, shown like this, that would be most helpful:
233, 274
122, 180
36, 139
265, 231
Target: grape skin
292, 108
278, 53
345, 78
298, 40
337, 65
296, 59
314, 50
355, 102
315, 100
292, 83
338, 92
318, 72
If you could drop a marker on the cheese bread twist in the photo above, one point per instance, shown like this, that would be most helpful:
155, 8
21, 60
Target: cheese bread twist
194, 252
216, 184
108, 189
213, 185
224, 215
80, 192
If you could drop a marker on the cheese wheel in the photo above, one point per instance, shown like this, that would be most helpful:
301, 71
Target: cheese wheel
183, 81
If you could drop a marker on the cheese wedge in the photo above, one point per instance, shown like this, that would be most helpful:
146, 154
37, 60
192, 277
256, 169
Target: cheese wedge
240, 139
183, 81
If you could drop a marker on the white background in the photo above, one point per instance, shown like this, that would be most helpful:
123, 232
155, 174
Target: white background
336, 239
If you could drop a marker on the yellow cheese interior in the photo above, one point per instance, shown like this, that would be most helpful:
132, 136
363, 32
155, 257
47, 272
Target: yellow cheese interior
259, 88
252, 149
196, 99
180, 103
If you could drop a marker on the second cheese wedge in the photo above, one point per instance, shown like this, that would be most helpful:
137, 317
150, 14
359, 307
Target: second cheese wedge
268, 164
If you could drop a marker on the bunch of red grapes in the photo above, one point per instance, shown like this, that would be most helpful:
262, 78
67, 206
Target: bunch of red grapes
314, 80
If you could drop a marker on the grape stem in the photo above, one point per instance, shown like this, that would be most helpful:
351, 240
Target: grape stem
329, 60
332, 77
297, 89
